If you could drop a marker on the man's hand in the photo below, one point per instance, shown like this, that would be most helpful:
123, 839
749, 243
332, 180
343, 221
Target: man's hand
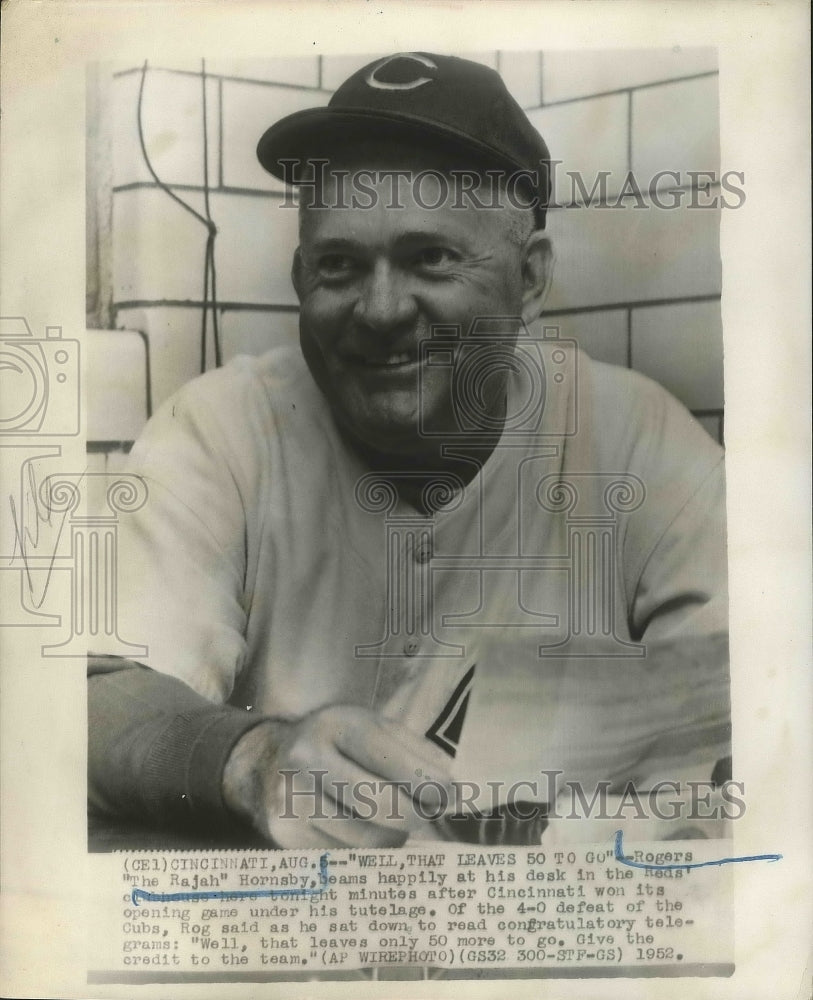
353, 779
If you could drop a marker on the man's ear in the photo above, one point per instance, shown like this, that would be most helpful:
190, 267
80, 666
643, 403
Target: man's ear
537, 271
297, 276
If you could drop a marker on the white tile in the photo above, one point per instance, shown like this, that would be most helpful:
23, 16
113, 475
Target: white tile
256, 240
521, 73
486, 58
681, 346
100, 466
172, 124
178, 64
116, 383
116, 461
248, 110
602, 335
174, 337
568, 74
302, 71
96, 463
676, 128
616, 255
586, 138
128, 160
336, 69
258, 332
158, 247
96, 484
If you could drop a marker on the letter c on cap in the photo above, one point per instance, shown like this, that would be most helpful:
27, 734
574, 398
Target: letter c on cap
372, 81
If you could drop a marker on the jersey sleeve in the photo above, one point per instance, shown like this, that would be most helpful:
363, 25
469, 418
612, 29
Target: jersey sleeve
182, 554
682, 588
156, 749
678, 597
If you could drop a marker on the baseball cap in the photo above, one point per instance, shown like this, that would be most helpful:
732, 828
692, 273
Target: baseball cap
418, 95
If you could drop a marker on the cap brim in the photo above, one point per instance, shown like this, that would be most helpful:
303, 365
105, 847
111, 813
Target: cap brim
317, 132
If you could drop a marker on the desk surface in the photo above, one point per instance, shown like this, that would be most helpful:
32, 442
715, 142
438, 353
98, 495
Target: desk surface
106, 835
501, 828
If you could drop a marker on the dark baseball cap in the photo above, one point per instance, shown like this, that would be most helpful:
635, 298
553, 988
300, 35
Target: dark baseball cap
418, 96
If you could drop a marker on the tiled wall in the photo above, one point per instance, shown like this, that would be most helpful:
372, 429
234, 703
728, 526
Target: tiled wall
635, 286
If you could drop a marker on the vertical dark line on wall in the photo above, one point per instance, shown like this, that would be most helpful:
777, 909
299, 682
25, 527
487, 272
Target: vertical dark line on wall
220, 132
629, 338
319, 72
629, 130
498, 61
147, 370
541, 78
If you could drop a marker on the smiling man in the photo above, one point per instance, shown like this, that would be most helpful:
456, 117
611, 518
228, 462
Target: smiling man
374, 281
435, 547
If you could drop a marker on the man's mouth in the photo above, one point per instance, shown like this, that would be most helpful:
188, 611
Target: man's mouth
402, 359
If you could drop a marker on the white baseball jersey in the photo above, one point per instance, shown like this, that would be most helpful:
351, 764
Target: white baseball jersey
564, 609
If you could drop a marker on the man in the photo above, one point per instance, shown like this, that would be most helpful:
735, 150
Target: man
430, 552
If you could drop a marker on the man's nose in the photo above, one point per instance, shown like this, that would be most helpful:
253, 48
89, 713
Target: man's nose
385, 302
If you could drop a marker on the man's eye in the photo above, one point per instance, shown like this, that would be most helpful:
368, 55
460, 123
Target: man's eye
336, 264
436, 257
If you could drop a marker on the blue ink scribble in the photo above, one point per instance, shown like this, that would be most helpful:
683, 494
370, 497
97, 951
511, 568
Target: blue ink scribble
619, 856
192, 897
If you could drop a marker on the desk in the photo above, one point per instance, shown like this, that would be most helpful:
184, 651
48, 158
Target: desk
501, 829
106, 835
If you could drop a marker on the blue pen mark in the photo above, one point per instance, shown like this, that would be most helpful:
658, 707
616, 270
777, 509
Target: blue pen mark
138, 895
619, 856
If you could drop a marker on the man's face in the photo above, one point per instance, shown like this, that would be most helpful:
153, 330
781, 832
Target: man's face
372, 283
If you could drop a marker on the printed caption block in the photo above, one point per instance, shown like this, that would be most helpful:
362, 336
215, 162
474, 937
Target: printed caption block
288, 915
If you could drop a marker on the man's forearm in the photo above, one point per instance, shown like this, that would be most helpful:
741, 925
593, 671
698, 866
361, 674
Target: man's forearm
245, 775
157, 749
